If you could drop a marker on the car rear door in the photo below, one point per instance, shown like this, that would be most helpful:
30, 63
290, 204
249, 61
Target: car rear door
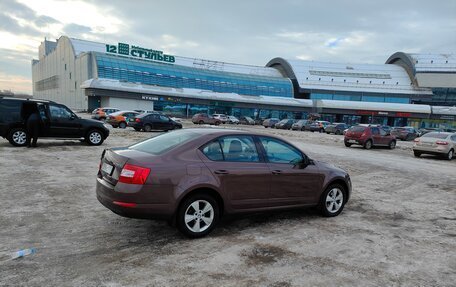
291, 183
243, 176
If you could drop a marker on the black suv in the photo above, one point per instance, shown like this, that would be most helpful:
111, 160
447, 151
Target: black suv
153, 121
57, 120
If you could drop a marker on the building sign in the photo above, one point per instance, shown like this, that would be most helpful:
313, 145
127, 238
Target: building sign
149, 98
390, 114
139, 52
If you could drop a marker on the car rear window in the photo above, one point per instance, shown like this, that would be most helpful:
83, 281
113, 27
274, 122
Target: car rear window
357, 129
165, 142
435, 135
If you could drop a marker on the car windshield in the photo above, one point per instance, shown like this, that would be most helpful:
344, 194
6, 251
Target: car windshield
435, 135
165, 142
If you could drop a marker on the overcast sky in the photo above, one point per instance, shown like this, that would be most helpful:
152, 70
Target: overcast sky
247, 32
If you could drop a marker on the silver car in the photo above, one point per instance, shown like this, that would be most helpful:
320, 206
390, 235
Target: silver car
437, 143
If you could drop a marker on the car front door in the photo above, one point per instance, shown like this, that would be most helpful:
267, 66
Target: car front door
63, 122
244, 178
291, 182
165, 123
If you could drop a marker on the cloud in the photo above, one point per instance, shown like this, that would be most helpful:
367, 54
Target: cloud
76, 30
244, 32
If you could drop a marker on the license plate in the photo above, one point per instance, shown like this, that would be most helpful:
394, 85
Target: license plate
106, 167
352, 141
131, 120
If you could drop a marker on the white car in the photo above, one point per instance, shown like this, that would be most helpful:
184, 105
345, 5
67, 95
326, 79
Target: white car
233, 120
221, 117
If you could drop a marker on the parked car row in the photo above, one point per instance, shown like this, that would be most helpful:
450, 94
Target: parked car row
217, 119
435, 143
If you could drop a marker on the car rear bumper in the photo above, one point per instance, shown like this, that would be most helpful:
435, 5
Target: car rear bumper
135, 125
439, 150
354, 141
129, 204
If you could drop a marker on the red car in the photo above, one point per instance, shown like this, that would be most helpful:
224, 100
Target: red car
369, 136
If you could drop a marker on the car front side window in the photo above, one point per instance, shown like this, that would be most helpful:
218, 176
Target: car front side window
58, 112
280, 152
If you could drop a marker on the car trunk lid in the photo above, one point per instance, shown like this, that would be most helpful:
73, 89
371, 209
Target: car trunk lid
113, 161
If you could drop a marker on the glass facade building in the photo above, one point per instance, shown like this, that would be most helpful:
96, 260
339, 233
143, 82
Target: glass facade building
176, 76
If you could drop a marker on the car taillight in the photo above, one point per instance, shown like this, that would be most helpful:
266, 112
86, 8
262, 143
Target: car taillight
133, 174
137, 120
441, 142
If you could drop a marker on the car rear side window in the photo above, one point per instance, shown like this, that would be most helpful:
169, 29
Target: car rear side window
375, 131
165, 142
10, 111
213, 151
233, 149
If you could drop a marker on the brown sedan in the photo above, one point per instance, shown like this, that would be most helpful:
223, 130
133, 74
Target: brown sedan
192, 177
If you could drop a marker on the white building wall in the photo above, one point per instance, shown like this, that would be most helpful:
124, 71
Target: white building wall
71, 72
127, 104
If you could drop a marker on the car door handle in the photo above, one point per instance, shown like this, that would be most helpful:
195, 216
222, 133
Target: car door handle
276, 171
221, 171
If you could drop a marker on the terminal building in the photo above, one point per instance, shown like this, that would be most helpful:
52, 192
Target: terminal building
409, 89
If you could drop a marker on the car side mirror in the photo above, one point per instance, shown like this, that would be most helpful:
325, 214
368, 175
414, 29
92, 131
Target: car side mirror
301, 162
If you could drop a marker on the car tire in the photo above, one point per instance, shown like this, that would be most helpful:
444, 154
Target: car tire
191, 215
201, 122
337, 132
347, 144
321, 130
368, 144
303, 129
392, 145
147, 128
328, 133
94, 137
137, 129
416, 153
217, 123
123, 125
18, 137
449, 155
332, 200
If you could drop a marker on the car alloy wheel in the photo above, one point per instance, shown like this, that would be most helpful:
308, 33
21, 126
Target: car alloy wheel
197, 215
147, 128
450, 154
122, 125
392, 145
19, 137
95, 138
368, 144
332, 201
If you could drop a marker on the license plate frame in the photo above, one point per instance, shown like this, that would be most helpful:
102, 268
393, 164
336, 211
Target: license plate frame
107, 168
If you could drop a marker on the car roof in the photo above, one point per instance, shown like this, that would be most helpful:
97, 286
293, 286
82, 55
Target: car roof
27, 99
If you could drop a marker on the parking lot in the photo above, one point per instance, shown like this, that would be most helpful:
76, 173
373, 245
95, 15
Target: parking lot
398, 229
